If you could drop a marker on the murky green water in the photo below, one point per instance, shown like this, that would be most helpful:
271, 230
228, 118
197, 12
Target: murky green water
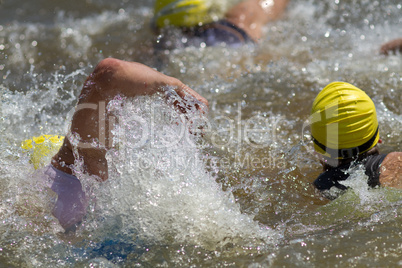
239, 196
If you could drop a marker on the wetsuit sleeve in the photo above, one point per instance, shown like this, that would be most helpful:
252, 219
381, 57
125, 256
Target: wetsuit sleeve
330, 178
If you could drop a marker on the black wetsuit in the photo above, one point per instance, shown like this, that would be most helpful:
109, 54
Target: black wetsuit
211, 34
332, 177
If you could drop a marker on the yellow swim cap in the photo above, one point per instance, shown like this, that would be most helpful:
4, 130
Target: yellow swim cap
42, 148
181, 13
343, 121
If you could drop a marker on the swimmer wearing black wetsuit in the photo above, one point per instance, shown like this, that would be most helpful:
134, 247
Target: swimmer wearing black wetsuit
242, 24
345, 133
217, 33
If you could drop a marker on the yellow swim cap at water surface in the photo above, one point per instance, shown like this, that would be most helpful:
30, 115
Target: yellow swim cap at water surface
181, 13
42, 148
343, 121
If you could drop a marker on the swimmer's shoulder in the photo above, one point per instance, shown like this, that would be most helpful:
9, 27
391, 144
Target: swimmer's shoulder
391, 170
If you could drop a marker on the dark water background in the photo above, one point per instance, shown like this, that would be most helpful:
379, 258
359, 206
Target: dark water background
200, 212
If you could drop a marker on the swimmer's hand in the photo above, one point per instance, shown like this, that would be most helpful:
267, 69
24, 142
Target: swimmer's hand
189, 96
392, 46
192, 105
192, 110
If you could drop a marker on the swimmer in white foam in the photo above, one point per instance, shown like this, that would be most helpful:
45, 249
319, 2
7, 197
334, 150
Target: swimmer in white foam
110, 78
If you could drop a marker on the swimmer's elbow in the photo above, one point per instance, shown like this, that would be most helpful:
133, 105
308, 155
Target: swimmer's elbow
106, 69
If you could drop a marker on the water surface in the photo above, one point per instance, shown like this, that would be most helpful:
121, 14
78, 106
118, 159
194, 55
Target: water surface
233, 197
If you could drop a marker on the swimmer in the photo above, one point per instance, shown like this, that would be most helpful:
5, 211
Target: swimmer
345, 132
241, 24
392, 46
110, 78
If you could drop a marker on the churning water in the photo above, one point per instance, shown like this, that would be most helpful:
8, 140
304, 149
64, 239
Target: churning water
238, 195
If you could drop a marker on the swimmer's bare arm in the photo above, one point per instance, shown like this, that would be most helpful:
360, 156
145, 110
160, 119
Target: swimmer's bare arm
110, 78
391, 46
391, 170
252, 15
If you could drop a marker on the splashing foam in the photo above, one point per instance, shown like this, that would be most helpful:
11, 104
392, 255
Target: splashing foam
159, 184
77, 35
369, 198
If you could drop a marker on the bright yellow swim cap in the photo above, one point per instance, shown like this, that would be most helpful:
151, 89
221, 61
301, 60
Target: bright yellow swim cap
42, 148
181, 13
343, 121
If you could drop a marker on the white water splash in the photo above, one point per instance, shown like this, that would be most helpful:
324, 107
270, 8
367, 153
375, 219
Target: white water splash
161, 187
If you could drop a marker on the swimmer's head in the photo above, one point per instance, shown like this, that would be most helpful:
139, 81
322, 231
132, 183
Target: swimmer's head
343, 122
42, 148
181, 13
